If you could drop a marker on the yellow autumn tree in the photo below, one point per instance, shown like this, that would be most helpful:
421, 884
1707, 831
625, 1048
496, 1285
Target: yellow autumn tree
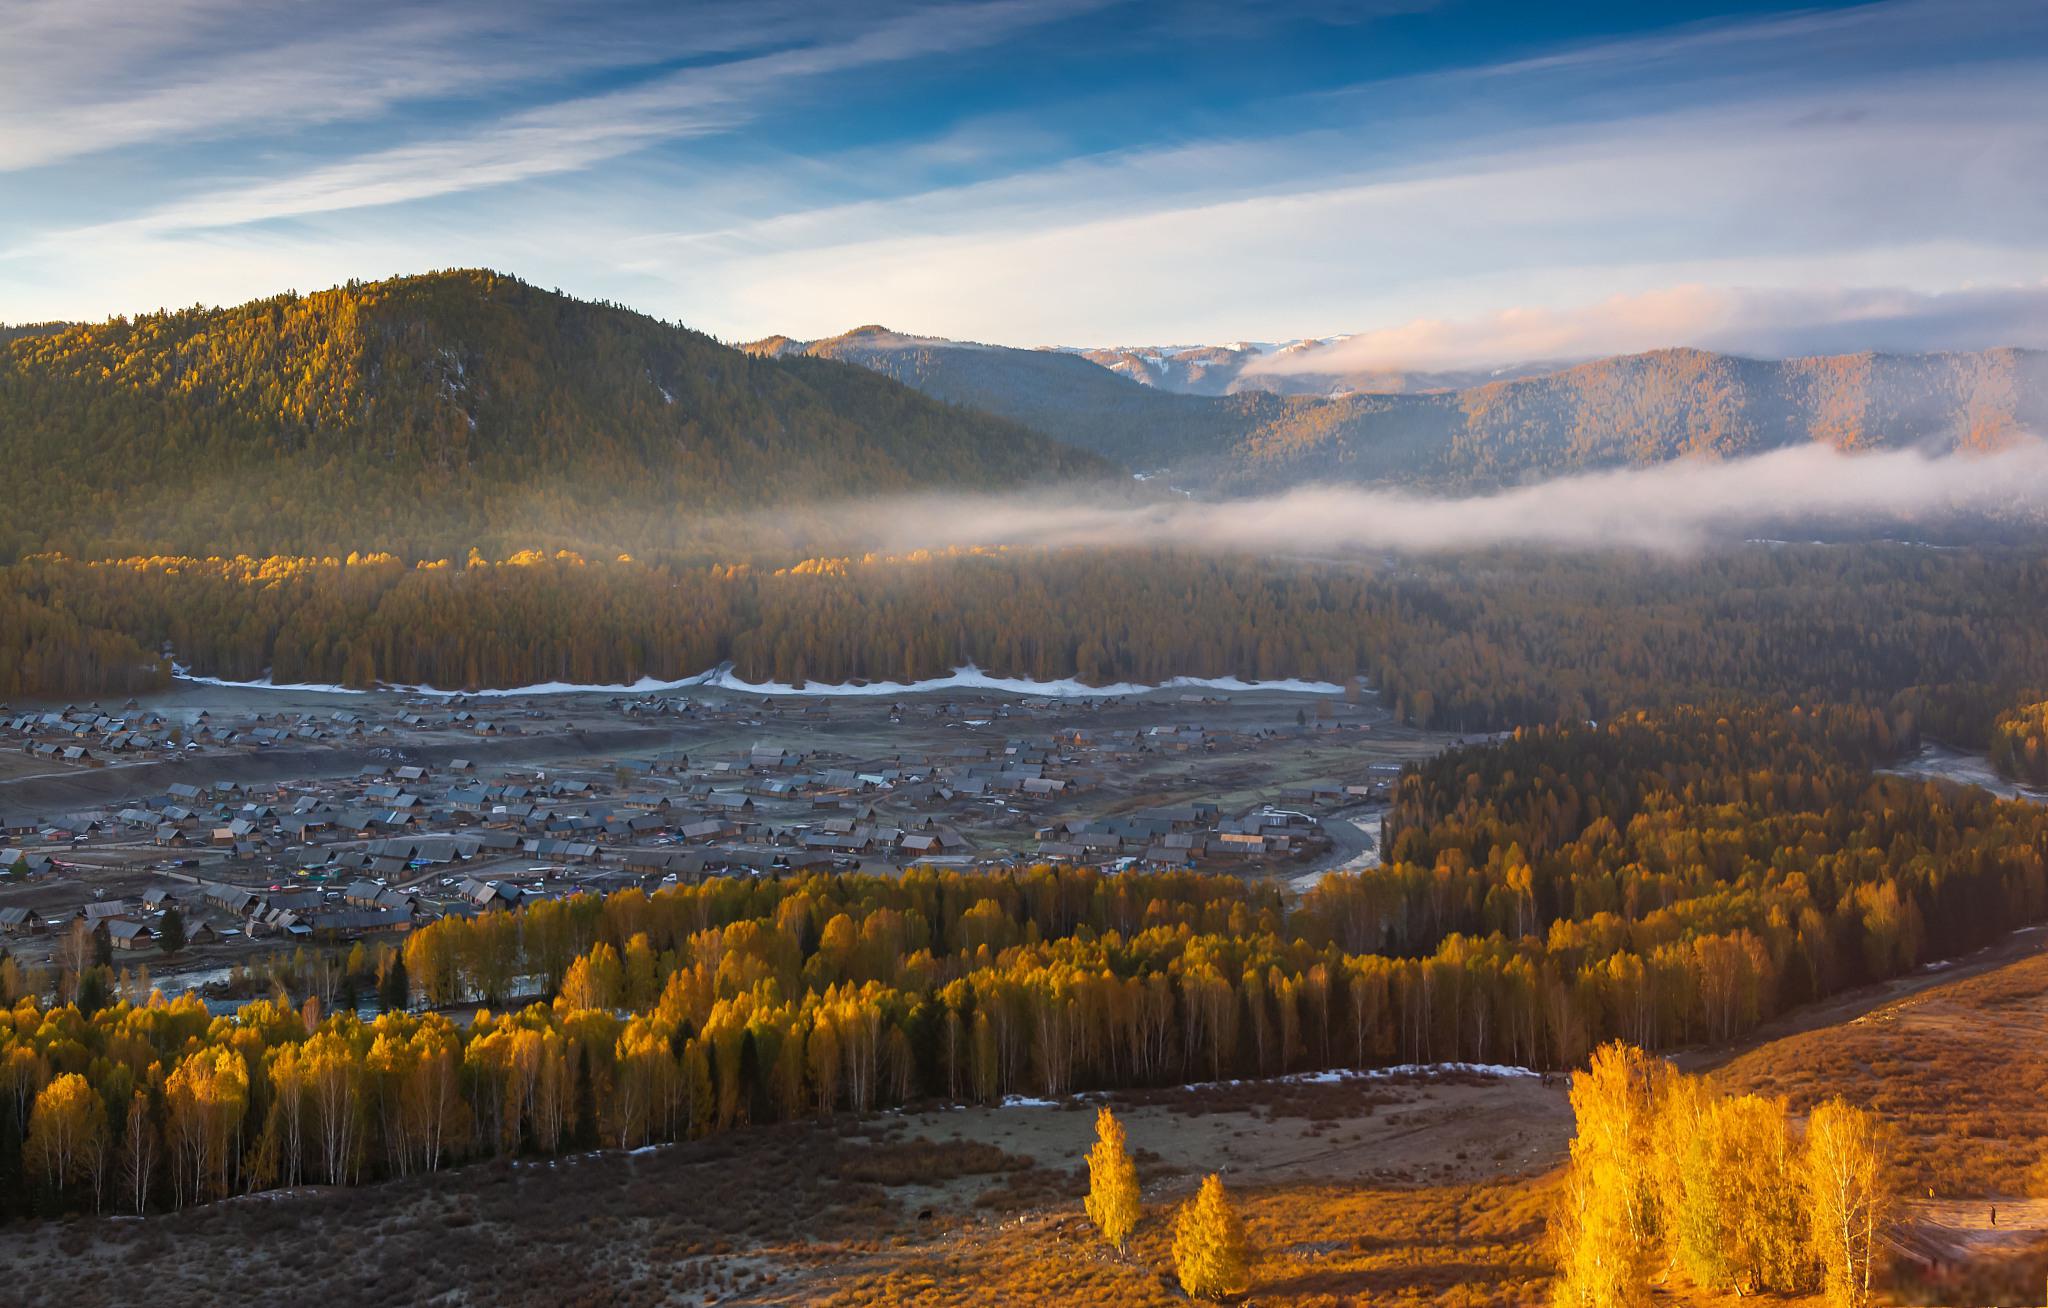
1112, 1202
67, 1133
1210, 1252
205, 1098
1606, 1231
595, 980
1849, 1194
1767, 1249
1693, 1190
1728, 1189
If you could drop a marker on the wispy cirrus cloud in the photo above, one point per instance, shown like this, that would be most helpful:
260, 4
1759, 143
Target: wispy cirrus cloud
1071, 171
82, 77
1923, 183
577, 132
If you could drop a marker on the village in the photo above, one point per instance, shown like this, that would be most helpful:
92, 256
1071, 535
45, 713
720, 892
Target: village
318, 822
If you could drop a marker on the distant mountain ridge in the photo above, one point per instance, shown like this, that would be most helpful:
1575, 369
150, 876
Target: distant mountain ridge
1622, 411
1289, 368
426, 414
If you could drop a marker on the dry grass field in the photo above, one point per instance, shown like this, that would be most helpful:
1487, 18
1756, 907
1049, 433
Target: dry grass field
1363, 1192
1961, 1070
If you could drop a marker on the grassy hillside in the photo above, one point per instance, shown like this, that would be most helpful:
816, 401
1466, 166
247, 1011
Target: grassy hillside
1633, 409
428, 414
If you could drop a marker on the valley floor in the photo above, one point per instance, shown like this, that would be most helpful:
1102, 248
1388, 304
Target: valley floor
1415, 1190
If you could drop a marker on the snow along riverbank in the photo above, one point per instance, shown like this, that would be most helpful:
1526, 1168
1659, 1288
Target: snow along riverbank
723, 678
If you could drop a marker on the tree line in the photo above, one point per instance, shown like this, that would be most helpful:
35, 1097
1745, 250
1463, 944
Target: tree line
1661, 879
2019, 742
1948, 639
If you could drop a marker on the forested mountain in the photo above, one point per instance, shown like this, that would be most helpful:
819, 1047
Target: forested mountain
429, 414
1633, 409
1047, 390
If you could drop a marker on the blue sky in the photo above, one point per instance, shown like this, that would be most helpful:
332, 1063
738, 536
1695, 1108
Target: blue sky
1459, 183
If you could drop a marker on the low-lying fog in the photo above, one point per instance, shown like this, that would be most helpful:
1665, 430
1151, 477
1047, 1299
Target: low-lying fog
1672, 507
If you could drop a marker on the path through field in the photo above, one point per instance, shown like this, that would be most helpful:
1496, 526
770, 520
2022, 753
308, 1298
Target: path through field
1944, 1232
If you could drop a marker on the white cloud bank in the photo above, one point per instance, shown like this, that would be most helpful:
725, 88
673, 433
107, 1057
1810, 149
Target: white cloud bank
1672, 507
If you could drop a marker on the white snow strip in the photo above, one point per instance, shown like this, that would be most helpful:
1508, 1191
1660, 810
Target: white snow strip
1339, 1075
723, 678
1026, 1101
178, 673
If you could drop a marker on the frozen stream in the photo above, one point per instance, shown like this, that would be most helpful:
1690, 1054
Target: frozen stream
1942, 763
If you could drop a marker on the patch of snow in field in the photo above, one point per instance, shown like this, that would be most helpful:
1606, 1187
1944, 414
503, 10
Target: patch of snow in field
1026, 1101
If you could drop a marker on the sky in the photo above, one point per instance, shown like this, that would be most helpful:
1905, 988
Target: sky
1450, 183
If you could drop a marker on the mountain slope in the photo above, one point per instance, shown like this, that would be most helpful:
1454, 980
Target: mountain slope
1633, 409
1047, 390
428, 414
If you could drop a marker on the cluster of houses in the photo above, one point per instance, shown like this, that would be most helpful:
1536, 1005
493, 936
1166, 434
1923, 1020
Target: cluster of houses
93, 736
403, 842
1180, 836
88, 737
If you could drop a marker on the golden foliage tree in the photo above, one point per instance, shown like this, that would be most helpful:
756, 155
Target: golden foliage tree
1211, 1255
1766, 1228
1607, 1235
1849, 1194
67, 1133
1113, 1203
1728, 1189
1666, 1167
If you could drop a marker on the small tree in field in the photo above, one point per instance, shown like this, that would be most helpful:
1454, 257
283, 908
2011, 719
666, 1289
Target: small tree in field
1210, 1253
1112, 1181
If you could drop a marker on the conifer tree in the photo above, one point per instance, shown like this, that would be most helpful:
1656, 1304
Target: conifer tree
1210, 1252
171, 934
1113, 1202
394, 990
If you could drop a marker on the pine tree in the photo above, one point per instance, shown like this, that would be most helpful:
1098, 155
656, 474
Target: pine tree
170, 936
1210, 1253
394, 991
1113, 1202
95, 988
